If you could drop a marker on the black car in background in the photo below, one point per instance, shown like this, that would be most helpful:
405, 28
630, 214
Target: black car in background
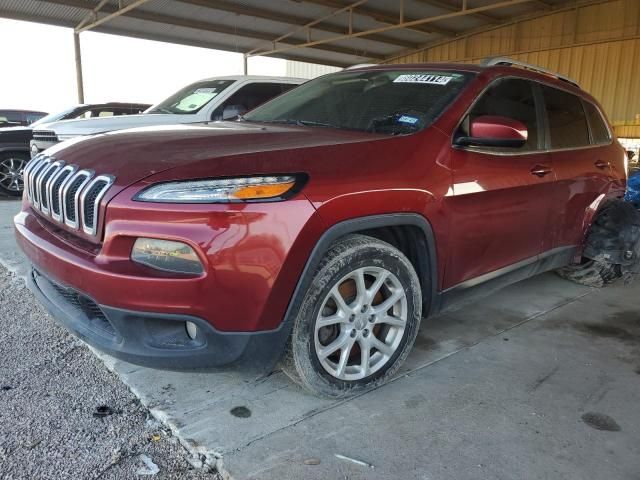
14, 141
16, 118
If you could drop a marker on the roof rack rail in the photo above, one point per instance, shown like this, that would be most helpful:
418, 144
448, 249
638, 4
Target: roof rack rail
361, 65
492, 61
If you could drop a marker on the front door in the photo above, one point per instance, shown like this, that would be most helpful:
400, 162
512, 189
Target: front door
501, 196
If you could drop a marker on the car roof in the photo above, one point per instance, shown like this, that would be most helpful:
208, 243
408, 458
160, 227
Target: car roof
115, 104
21, 111
493, 70
255, 78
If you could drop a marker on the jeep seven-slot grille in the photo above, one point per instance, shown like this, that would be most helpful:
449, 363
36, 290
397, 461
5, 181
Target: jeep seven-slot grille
64, 193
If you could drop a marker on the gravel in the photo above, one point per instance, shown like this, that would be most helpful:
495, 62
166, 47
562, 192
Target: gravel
63, 414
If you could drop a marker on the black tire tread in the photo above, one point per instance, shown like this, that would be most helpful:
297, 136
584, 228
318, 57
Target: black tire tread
344, 249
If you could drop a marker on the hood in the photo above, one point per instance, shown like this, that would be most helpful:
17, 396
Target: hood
15, 129
92, 126
15, 135
202, 150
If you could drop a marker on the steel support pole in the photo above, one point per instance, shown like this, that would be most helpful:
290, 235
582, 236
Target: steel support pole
79, 80
245, 66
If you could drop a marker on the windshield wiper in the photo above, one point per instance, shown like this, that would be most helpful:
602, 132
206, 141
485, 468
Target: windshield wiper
302, 123
161, 110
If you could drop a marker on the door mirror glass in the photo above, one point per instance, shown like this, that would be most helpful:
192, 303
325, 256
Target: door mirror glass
495, 131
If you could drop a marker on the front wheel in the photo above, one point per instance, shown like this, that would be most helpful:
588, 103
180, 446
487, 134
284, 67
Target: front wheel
11, 168
358, 320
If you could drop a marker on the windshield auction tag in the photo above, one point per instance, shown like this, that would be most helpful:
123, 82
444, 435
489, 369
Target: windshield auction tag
206, 90
422, 78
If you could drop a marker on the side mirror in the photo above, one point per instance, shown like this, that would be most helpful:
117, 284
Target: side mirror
232, 111
495, 131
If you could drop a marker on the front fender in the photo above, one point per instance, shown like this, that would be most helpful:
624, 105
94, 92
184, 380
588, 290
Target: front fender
14, 147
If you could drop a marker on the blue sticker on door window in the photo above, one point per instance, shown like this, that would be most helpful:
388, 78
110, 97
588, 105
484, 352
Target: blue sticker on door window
408, 119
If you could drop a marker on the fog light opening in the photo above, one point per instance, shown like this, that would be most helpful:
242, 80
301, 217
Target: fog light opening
192, 330
166, 255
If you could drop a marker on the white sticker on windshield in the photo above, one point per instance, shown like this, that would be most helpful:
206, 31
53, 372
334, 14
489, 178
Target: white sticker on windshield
422, 78
206, 90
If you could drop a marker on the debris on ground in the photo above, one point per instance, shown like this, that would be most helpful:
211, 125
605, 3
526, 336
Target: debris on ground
103, 411
353, 460
149, 468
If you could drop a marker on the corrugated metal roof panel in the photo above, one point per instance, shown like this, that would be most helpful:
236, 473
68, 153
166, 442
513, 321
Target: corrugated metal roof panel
243, 25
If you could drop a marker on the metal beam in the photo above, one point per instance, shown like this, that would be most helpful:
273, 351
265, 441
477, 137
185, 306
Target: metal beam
405, 24
383, 17
93, 14
212, 27
452, 8
273, 16
12, 15
506, 22
307, 27
78, 55
117, 13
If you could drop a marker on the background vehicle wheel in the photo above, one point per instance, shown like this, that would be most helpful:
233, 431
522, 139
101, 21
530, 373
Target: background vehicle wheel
612, 249
11, 167
358, 320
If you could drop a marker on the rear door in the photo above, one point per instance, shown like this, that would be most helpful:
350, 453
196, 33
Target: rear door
580, 144
501, 196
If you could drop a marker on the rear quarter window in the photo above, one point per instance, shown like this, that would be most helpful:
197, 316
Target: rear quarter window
599, 132
568, 126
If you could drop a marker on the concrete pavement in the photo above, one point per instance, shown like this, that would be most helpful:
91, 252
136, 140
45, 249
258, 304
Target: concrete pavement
497, 390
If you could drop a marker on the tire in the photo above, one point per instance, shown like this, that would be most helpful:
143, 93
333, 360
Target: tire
11, 167
612, 248
354, 317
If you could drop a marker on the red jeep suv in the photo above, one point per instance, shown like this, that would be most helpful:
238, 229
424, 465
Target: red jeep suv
321, 227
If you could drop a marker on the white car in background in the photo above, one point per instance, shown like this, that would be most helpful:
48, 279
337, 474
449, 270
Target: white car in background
219, 98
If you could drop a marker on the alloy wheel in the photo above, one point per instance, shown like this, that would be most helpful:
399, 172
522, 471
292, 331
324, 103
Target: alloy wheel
361, 323
11, 174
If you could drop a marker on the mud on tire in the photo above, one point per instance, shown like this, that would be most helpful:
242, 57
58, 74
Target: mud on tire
371, 293
612, 248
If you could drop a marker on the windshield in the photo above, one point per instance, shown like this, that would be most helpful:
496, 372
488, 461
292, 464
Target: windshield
52, 117
192, 98
391, 102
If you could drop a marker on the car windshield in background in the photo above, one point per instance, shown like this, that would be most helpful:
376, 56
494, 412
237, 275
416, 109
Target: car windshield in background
191, 99
390, 102
52, 117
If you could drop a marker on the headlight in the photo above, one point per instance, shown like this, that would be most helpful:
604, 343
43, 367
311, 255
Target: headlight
221, 190
166, 255
66, 136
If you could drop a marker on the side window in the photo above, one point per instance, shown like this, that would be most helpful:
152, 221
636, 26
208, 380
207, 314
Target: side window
599, 131
14, 116
245, 99
285, 87
512, 98
33, 117
107, 113
567, 120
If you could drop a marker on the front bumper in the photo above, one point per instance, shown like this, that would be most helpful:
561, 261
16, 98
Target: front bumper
154, 340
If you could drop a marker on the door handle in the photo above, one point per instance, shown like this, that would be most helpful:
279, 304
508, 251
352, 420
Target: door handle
601, 164
540, 171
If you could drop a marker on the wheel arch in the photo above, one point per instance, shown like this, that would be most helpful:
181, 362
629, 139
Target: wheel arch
409, 232
14, 148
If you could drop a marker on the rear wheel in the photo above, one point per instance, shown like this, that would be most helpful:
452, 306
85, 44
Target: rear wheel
358, 319
11, 169
612, 248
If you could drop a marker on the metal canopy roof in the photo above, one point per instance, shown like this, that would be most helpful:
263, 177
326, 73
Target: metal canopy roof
330, 32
